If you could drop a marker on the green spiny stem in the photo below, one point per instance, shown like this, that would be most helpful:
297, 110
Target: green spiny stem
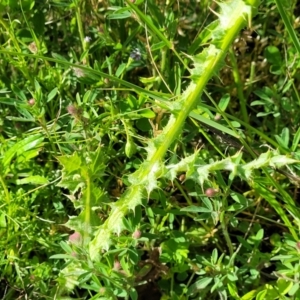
230, 24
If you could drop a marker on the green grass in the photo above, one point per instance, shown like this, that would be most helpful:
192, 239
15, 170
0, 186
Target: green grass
149, 149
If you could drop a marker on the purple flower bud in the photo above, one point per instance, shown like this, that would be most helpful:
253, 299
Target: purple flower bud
137, 234
31, 102
75, 238
210, 192
72, 110
117, 265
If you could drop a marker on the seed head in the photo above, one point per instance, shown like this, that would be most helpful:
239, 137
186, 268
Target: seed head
33, 48
74, 111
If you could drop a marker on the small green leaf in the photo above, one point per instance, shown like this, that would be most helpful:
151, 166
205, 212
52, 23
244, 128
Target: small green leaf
285, 286
18, 92
214, 256
213, 124
250, 295
157, 46
119, 13
232, 277
36, 179
130, 148
296, 140
257, 102
143, 125
261, 295
131, 100
224, 102
120, 69
17, 119
266, 94
61, 256
147, 113
292, 290
133, 294
28, 143
273, 55
196, 209
259, 235
199, 285
52, 94
66, 247
59, 57
285, 135
207, 203
3, 223
11, 101
233, 290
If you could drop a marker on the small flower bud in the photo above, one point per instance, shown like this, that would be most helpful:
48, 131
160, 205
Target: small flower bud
33, 48
210, 192
136, 54
74, 254
182, 177
74, 111
218, 117
31, 102
130, 148
117, 265
137, 234
75, 238
87, 39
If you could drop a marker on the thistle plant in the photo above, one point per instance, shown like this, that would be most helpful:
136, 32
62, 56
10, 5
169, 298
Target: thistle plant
233, 16
134, 210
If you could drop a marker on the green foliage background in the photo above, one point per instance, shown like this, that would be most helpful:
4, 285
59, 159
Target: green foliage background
122, 177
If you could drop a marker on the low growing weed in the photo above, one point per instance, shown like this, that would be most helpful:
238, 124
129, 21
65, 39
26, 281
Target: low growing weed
149, 150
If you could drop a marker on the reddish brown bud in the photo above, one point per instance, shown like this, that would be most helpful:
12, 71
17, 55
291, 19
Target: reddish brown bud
182, 177
72, 110
210, 192
31, 102
137, 234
